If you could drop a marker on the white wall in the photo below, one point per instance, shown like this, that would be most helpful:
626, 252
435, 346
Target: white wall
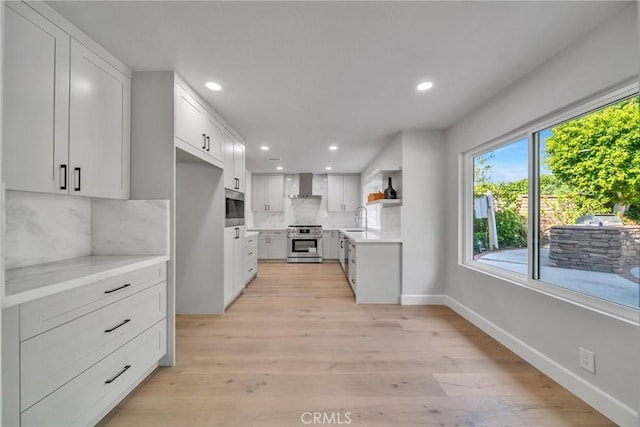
543, 329
423, 238
389, 158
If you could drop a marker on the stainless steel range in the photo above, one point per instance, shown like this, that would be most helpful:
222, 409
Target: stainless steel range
304, 243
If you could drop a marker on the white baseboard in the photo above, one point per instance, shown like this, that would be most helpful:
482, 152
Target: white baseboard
617, 411
423, 300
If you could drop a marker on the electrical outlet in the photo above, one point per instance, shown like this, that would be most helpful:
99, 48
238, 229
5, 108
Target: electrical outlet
587, 360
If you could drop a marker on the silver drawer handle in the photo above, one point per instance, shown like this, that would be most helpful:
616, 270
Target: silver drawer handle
250, 253
250, 270
117, 326
110, 380
117, 289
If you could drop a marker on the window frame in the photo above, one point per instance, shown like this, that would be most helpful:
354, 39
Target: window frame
465, 202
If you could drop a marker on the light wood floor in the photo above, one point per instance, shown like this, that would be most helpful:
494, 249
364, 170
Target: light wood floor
296, 342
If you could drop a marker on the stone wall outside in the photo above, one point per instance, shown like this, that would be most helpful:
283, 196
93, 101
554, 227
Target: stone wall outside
604, 249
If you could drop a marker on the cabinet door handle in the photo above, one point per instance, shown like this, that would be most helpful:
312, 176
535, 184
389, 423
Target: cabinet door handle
124, 322
341, 244
204, 141
110, 380
117, 289
208, 143
63, 176
265, 207
78, 175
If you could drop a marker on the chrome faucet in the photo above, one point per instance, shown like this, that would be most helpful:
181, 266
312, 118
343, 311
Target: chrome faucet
366, 218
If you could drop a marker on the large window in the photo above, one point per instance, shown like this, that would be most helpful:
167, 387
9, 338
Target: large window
560, 207
500, 188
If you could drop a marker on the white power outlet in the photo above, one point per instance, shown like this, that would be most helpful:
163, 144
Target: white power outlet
587, 360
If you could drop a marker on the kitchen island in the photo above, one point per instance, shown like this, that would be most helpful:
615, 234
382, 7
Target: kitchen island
372, 262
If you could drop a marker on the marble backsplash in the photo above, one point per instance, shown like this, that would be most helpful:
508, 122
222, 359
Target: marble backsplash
43, 228
391, 219
303, 212
129, 227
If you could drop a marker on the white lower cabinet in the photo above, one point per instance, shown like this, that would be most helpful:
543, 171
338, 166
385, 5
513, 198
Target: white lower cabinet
272, 245
330, 244
85, 399
250, 258
233, 263
79, 352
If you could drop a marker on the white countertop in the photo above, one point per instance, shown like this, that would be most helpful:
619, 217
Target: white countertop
251, 233
37, 281
372, 236
267, 229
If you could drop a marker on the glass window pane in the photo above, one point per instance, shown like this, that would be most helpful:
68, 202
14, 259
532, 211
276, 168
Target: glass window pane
589, 204
500, 189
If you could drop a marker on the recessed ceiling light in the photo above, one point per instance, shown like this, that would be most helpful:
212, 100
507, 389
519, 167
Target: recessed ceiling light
279, 168
328, 168
333, 147
264, 148
425, 86
213, 86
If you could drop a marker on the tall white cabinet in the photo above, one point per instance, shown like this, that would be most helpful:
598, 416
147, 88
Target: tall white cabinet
267, 193
67, 111
234, 164
234, 244
197, 127
343, 193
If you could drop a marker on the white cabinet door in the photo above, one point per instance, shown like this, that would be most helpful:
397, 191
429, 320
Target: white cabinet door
259, 193
238, 165
263, 246
278, 245
36, 102
99, 115
326, 244
189, 119
238, 261
275, 193
335, 244
335, 192
351, 192
213, 137
229, 267
229, 177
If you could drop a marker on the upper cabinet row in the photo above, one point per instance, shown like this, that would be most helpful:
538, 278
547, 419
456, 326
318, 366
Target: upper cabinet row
201, 134
66, 112
267, 193
343, 193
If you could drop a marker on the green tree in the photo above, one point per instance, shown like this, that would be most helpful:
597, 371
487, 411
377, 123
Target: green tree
598, 155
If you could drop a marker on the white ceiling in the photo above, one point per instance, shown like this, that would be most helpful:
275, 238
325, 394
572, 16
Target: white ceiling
299, 76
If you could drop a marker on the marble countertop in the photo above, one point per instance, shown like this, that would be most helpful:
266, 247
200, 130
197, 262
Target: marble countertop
37, 281
267, 229
251, 233
372, 236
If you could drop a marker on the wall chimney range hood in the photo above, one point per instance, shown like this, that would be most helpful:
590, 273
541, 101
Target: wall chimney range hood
305, 186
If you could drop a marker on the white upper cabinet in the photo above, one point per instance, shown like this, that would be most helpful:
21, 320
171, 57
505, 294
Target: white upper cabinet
267, 193
66, 112
342, 193
196, 127
99, 123
234, 167
36, 102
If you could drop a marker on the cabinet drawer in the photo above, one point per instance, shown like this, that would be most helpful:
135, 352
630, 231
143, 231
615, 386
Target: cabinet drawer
51, 359
251, 252
249, 241
250, 270
87, 396
46, 313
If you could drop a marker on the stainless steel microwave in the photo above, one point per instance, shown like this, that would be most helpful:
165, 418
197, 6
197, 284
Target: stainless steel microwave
234, 208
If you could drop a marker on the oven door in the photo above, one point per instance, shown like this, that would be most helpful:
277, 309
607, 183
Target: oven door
304, 247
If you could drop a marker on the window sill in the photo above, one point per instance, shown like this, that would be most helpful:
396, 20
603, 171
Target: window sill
615, 311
